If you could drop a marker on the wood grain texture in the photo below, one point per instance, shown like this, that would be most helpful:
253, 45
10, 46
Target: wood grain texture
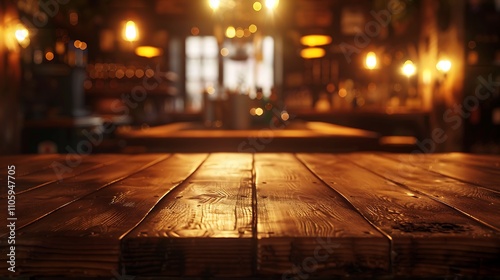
272, 216
478, 175
85, 235
27, 164
297, 215
422, 229
60, 169
204, 227
478, 203
490, 162
42, 201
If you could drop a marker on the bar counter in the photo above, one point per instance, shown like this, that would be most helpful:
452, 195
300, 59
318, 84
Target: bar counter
252, 216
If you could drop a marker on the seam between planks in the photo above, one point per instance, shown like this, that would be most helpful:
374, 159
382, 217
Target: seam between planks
441, 174
402, 185
156, 161
99, 165
255, 241
161, 198
389, 238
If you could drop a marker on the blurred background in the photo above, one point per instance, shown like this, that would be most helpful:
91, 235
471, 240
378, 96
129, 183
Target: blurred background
426, 70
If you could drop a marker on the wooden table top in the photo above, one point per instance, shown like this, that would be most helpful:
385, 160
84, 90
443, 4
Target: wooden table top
244, 215
285, 137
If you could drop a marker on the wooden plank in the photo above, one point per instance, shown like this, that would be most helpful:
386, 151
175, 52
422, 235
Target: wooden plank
488, 162
465, 173
60, 170
26, 164
478, 203
202, 228
84, 236
305, 229
429, 238
35, 204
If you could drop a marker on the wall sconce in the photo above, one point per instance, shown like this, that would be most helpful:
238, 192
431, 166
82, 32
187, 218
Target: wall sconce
371, 61
130, 32
309, 53
408, 69
315, 40
16, 35
444, 66
148, 51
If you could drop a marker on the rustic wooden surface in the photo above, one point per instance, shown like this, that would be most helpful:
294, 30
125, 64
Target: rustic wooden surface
237, 215
283, 137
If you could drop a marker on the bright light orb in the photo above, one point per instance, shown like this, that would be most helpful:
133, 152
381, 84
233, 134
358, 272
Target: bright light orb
214, 4
408, 68
230, 32
272, 4
371, 60
443, 66
257, 6
21, 33
131, 32
309, 53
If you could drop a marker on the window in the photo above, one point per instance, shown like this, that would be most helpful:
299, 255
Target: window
202, 68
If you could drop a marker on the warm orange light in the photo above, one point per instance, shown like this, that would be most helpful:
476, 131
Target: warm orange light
230, 32
139, 73
224, 52
342, 92
408, 68
285, 116
371, 60
252, 28
77, 44
131, 33
259, 111
443, 66
195, 31
49, 56
240, 32
150, 73
252, 111
315, 40
272, 4
148, 51
214, 4
22, 35
312, 53
83, 46
257, 6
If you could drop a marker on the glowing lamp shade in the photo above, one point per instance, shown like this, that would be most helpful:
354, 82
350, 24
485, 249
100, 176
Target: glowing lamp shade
371, 60
315, 40
131, 32
408, 68
309, 53
148, 51
443, 66
272, 4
